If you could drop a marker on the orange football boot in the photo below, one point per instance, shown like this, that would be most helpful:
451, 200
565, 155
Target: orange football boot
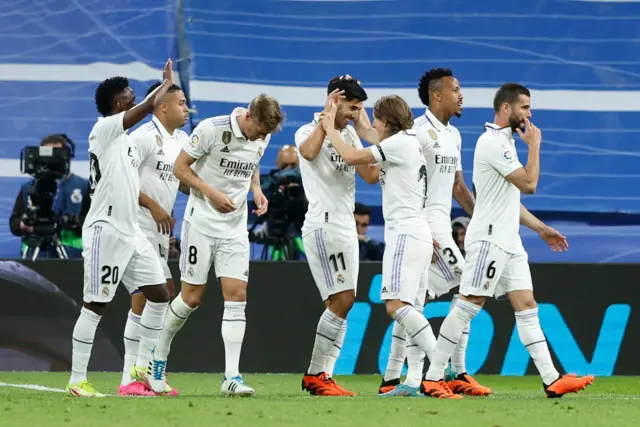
438, 389
320, 385
387, 386
466, 384
344, 391
568, 384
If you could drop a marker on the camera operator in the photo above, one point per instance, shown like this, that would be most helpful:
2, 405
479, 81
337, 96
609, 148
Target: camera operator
281, 225
69, 206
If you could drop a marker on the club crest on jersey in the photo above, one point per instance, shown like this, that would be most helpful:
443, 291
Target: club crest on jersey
195, 139
226, 137
158, 141
260, 151
432, 134
508, 155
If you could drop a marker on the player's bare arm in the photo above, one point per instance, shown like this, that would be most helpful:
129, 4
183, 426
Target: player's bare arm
462, 194
350, 155
259, 198
310, 147
526, 179
364, 129
134, 115
163, 220
550, 235
369, 173
182, 170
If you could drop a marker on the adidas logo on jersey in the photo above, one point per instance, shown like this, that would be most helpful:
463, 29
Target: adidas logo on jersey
384, 290
225, 150
160, 152
436, 145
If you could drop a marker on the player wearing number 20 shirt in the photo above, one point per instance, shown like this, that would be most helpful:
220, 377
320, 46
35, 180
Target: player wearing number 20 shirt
225, 152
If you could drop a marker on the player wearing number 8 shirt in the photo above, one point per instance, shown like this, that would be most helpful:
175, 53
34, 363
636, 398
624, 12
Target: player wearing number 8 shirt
329, 232
497, 263
403, 177
225, 152
114, 247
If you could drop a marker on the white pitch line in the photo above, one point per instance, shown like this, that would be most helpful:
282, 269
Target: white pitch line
43, 388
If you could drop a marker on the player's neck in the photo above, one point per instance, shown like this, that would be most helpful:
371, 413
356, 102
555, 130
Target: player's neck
501, 122
243, 124
442, 116
164, 122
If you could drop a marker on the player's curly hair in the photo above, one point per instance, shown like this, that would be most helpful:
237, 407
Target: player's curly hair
429, 82
106, 93
395, 112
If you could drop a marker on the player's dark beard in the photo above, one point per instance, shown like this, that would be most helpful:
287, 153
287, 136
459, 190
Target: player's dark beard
515, 123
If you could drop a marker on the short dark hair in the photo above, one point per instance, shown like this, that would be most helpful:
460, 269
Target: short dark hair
429, 82
53, 139
107, 91
509, 93
173, 88
352, 90
361, 209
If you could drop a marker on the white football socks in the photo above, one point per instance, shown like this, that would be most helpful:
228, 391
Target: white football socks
83, 335
535, 342
131, 344
397, 354
177, 315
234, 324
327, 333
151, 323
335, 350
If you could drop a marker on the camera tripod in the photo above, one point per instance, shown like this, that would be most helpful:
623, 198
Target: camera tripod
44, 240
279, 248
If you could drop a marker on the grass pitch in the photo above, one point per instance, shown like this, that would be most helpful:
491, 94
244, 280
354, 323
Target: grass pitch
517, 401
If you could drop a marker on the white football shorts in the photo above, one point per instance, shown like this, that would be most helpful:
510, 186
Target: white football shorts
160, 243
111, 257
333, 258
230, 257
446, 272
491, 271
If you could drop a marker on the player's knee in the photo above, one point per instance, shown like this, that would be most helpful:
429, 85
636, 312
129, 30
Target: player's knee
342, 302
233, 289
156, 293
96, 307
473, 299
138, 301
392, 306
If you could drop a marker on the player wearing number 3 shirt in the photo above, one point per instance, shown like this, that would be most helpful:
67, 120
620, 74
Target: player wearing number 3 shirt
496, 262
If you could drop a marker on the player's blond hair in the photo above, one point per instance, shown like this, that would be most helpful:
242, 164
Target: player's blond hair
395, 112
266, 111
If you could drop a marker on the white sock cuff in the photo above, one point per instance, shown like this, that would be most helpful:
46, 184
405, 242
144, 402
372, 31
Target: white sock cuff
234, 311
468, 307
330, 317
528, 316
134, 317
401, 313
95, 317
180, 308
160, 307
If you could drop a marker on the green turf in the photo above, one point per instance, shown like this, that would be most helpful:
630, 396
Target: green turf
517, 401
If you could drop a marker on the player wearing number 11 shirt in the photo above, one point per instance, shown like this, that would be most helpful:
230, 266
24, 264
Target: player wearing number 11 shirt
496, 262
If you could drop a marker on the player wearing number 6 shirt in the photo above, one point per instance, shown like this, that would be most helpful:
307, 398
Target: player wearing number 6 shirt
497, 263
159, 142
440, 91
114, 247
226, 151
403, 177
329, 231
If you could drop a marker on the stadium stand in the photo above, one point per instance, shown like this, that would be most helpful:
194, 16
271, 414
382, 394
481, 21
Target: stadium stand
585, 88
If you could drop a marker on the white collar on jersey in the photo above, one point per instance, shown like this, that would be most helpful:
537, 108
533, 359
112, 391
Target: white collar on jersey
434, 121
507, 131
160, 127
235, 127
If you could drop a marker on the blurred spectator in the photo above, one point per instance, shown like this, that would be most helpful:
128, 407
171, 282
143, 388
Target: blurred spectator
459, 227
71, 204
370, 250
280, 228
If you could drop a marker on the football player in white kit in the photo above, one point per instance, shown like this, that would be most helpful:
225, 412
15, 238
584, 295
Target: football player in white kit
226, 151
403, 177
440, 91
329, 232
159, 142
114, 247
497, 263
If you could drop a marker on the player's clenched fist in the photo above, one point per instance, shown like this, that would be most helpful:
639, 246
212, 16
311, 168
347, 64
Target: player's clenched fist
221, 202
531, 135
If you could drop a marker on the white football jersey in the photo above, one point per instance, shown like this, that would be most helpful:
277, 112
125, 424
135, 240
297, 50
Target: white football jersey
225, 161
403, 177
158, 151
441, 146
329, 183
114, 183
496, 216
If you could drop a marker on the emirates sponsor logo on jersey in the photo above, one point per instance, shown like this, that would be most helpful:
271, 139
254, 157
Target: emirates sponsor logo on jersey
237, 168
447, 163
166, 171
340, 165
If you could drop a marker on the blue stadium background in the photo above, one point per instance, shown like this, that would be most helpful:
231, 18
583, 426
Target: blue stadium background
579, 57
